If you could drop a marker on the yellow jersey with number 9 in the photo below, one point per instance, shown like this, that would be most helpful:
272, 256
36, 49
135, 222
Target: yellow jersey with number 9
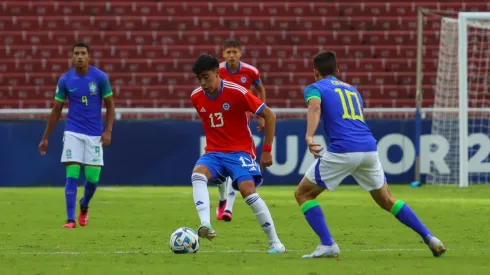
342, 116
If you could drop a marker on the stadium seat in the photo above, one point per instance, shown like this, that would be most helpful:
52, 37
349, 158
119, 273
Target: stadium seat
148, 48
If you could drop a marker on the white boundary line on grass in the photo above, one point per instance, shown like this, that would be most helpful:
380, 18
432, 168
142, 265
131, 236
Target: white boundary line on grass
221, 251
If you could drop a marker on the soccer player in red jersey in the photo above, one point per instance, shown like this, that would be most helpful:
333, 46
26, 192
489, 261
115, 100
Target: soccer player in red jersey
230, 151
245, 75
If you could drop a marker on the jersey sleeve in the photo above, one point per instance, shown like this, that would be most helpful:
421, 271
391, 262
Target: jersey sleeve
255, 77
105, 86
253, 103
311, 92
61, 93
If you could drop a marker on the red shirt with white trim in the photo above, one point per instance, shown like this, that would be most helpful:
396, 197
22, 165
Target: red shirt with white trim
246, 75
225, 120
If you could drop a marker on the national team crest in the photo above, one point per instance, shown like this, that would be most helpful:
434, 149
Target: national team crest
226, 106
243, 79
92, 86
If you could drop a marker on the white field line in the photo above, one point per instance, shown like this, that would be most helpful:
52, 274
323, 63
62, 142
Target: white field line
6, 252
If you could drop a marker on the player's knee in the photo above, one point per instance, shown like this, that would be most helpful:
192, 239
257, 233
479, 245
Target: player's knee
298, 195
246, 185
383, 198
302, 196
92, 174
306, 191
203, 170
73, 171
199, 178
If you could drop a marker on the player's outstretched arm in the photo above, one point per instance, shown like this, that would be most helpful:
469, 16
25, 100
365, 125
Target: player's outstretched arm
54, 117
110, 117
313, 119
269, 132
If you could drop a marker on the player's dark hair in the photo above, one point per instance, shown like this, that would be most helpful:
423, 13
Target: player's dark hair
81, 45
232, 43
325, 63
205, 63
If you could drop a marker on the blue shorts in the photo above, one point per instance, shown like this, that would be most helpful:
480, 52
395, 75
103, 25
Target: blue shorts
239, 166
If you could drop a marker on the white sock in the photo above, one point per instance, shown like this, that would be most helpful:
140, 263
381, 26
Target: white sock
201, 197
263, 216
230, 199
222, 190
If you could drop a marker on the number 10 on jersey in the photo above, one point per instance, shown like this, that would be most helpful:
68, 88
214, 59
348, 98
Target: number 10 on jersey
216, 120
352, 108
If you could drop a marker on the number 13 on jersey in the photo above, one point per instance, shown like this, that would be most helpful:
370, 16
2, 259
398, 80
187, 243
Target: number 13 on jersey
216, 120
351, 112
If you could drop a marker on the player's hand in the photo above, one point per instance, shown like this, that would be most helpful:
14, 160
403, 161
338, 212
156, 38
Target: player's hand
261, 125
314, 148
106, 138
265, 160
43, 146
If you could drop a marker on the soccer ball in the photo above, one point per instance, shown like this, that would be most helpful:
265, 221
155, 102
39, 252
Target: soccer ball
184, 240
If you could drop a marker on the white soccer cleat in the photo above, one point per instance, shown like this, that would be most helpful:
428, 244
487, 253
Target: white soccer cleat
436, 246
276, 248
324, 251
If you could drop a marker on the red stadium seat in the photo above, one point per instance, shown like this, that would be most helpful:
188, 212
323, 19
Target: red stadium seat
148, 48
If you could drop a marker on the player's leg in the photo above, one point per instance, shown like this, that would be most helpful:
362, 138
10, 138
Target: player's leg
246, 185
246, 176
222, 190
93, 160
72, 157
371, 177
325, 173
207, 168
230, 201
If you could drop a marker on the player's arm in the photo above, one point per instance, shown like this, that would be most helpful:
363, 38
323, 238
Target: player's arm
260, 91
55, 115
313, 101
257, 83
107, 95
270, 125
259, 108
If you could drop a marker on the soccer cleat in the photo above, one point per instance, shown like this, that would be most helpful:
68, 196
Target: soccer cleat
324, 251
227, 216
436, 246
276, 248
206, 231
70, 224
220, 209
83, 216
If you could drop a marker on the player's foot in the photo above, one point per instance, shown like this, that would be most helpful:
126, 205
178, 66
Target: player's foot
324, 251
83, 215
227, 216
206, 231
436, 246
276, 248
220, 209
70, 224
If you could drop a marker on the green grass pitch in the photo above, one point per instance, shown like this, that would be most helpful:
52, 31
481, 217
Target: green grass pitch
130, 227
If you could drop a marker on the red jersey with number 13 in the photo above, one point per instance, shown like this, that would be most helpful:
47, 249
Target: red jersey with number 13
224, 118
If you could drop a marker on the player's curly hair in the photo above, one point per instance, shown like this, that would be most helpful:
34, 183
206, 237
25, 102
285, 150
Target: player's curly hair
325, 63
81, 45
205, 63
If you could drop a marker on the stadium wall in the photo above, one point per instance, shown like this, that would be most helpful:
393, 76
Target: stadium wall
164, 152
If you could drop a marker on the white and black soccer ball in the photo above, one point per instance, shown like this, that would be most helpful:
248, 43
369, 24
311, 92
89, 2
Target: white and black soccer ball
184, 240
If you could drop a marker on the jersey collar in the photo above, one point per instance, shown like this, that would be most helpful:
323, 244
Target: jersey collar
237, 70
217, 95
